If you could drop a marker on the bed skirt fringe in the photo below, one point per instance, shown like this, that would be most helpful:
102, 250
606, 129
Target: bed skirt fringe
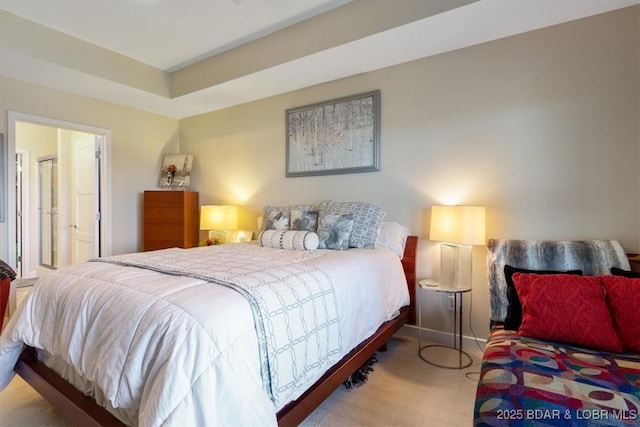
361, 374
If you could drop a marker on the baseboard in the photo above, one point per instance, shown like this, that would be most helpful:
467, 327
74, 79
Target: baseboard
25, 282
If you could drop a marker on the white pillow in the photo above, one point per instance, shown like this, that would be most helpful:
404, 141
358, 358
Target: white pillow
393, 236
289, 239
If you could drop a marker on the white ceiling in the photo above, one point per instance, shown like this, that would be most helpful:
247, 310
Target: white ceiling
171, 34
168, 34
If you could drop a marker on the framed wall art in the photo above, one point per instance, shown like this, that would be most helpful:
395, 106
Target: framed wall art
334, 137
176, 170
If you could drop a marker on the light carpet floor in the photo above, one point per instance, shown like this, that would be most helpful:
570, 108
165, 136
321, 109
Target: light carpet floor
401, 391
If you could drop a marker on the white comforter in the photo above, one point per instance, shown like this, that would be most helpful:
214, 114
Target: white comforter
159, 349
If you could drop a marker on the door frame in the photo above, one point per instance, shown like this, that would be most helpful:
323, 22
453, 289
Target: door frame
25, 176
104, 198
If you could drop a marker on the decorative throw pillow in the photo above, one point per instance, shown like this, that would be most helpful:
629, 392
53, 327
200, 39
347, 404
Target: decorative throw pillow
334, 231
297, 240
566, 308
304, 220
278, 217
514, 307
366, 217
623, 299
625, 273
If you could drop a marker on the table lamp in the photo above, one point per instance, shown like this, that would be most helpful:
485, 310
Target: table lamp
458, 228
219, 221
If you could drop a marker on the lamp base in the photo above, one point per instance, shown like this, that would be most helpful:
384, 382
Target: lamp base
455, 265
240, 236
218, 237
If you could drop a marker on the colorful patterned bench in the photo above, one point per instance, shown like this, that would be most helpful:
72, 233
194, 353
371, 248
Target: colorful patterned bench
526, 381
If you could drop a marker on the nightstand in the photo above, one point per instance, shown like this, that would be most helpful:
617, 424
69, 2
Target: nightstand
634, 262
457, 292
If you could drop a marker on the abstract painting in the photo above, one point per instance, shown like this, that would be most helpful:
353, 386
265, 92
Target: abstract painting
334, 137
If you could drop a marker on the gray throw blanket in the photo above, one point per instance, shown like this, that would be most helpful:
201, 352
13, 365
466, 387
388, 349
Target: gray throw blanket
6, 271
593, 257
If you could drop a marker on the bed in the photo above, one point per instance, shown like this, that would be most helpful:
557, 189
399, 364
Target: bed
152, 338
565, 338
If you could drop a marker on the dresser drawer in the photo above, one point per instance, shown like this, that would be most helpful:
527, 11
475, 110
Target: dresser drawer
165, 215
163, 232
164, 199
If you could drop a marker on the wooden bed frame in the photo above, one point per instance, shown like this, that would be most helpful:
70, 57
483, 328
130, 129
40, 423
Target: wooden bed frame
84, 411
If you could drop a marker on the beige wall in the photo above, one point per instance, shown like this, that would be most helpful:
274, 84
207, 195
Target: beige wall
540, 128
137, 141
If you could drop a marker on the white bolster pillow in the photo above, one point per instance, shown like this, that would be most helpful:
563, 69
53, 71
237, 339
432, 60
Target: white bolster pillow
290, 239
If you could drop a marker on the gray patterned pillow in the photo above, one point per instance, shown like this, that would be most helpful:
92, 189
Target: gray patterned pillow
278, 217
334, 231
366, 220
304, 220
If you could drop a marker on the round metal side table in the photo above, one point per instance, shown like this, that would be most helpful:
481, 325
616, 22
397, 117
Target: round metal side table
464, 359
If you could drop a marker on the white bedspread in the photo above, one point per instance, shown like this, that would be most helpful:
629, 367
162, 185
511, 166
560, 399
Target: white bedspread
176, 350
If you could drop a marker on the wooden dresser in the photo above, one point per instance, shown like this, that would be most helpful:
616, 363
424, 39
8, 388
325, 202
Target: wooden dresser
170, 219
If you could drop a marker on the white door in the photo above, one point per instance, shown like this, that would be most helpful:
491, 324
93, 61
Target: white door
85, 203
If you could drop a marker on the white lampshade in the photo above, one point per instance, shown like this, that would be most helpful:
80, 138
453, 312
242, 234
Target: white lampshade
463, 225
213, 217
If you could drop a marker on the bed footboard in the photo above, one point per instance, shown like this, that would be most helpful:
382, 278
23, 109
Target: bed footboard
79, 409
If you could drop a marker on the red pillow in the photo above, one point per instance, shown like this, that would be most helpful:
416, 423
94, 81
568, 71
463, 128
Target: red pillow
566, 308
623, 299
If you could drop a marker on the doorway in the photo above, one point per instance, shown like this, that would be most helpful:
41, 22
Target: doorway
62, 205
47, 212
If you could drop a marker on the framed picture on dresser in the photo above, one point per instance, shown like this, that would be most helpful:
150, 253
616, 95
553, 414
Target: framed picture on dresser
176, 170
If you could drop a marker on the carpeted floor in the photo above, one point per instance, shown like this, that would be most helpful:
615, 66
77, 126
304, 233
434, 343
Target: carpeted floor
401, 391
405, 391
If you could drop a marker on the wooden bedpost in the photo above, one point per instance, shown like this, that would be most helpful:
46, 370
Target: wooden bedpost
409, 262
